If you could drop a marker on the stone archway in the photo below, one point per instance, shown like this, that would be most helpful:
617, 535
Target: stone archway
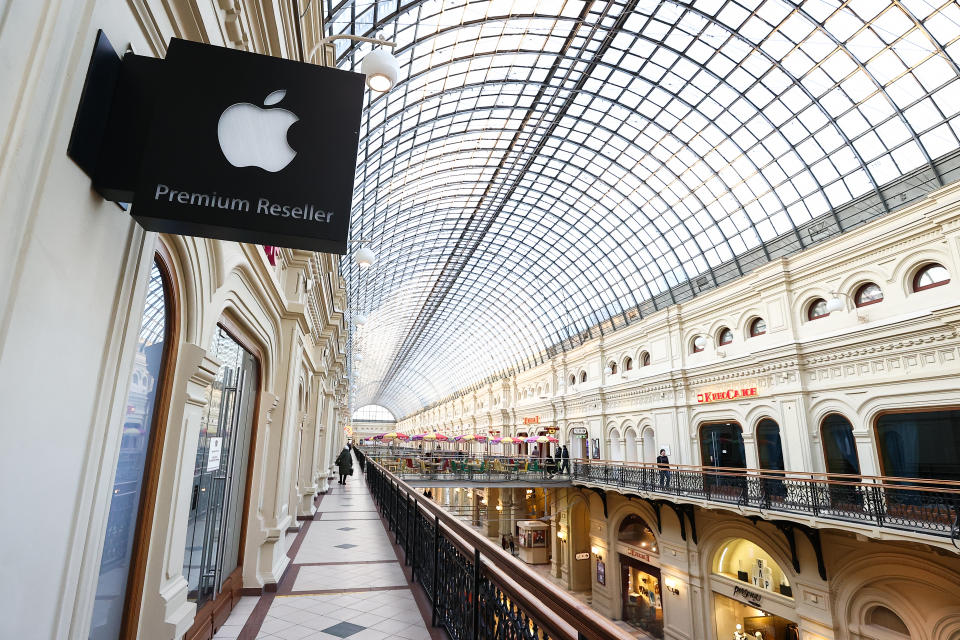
648, 441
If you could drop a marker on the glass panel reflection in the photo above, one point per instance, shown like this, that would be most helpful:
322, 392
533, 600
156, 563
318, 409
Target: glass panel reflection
138, 425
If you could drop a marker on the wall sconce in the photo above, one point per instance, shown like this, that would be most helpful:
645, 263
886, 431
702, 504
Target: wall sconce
499, 507
562, 535
595, 550
672, 586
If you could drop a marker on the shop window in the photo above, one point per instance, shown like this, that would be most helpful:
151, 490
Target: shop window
758, 327
583, 376
920, 444
880, 616
869, 293
769, 446
635, 531
642, 596
734, 616
839, 446
745, 561
628, 364
817, 309
699, 344
136, 449
645, 359
725, 336
932, 275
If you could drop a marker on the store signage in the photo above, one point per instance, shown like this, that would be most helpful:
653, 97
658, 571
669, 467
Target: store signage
214, 447
232, 145
583, 556
729, 394
752, 597
579, 431
533, 420
639, 555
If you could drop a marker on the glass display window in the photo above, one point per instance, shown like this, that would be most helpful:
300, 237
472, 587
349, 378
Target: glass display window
642, 598
742, 621
745, 561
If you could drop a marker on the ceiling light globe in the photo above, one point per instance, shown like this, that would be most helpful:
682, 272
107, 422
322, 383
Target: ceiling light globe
381, 69
364, 257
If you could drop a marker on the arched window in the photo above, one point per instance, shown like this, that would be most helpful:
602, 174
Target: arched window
573, 379
138, 459
742, 559
880, 616
725, 336
645, 359
817, 309
758, 327
613, 367
769, 446
699, 344
869, 293
583, 376
635, 531
839, 446
929, 276
628, 364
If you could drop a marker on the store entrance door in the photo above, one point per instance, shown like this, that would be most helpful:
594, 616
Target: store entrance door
212, 556
642, 601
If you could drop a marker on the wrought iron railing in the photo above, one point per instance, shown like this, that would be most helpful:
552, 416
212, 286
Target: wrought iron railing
476, 591
909, 504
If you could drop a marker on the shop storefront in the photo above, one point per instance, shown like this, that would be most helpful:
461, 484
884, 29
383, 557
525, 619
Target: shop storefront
751, 595
640, 580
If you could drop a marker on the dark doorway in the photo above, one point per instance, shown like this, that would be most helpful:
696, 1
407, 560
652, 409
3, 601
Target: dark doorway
721, 445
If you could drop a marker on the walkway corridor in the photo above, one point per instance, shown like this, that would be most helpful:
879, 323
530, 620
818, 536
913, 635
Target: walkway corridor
344, 581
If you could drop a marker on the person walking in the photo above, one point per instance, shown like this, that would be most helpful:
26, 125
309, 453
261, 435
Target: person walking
344, 464
513, 544
663, 462
503, 542
565, 464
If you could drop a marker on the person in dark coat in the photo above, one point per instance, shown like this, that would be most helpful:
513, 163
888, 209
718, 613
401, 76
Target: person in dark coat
344, 463
663, 462
513, 544
565, 464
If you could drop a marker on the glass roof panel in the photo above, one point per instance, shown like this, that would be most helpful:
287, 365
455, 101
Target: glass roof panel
547, 171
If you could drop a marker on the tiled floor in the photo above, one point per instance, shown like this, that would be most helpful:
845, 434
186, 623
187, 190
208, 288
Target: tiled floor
344, 582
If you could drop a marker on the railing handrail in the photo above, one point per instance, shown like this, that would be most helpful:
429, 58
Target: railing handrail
837, 479
577, 616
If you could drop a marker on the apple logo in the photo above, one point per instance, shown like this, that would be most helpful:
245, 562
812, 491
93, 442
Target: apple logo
254, 137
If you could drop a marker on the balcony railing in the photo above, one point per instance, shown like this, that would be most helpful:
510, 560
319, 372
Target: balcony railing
907, 504
476, 591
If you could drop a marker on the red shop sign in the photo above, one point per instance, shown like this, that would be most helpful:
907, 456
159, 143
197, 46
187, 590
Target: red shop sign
729, 394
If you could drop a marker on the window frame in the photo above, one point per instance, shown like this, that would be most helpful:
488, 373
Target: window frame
724, 332
627, 364
811, 305
751, 328
859, 292
693, 345
923, 269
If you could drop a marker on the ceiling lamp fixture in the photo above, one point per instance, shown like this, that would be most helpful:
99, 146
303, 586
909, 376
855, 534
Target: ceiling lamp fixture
364, 258
381, 69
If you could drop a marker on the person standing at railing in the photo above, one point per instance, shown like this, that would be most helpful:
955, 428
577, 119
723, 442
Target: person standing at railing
564, 455
663, 462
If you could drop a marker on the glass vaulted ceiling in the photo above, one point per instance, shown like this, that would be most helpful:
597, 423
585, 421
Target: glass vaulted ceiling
548, 171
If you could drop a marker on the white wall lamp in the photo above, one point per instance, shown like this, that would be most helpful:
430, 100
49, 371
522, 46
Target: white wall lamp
673, 587
836, 303
380, 66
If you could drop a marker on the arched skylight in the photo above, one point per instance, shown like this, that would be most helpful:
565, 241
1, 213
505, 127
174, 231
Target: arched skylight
373, 412
545, 172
